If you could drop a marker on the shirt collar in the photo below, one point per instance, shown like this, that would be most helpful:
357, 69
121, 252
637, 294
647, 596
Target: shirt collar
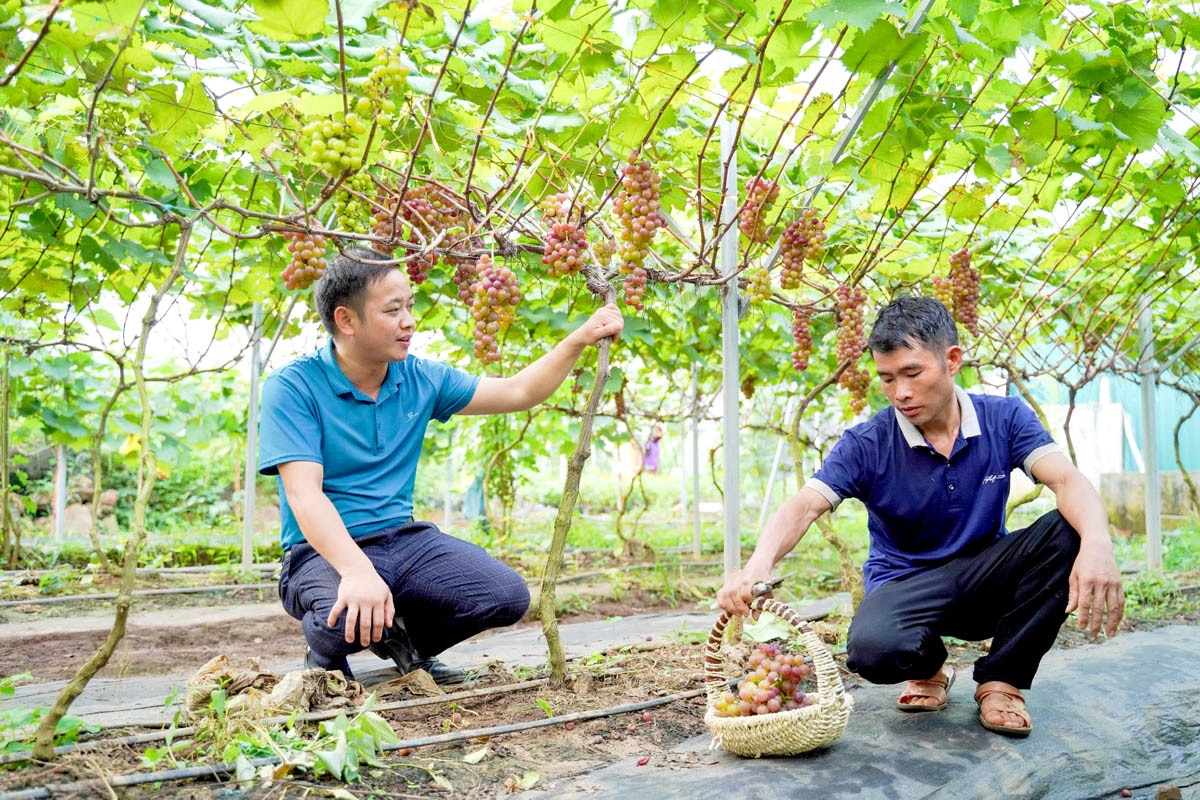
337, 379
342, 386
968, 426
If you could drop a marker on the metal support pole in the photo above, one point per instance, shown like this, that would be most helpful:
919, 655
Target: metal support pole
695, 406
729, 350
251, 482
1148, 370
60, 492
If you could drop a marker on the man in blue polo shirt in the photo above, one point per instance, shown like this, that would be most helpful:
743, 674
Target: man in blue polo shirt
342, 429
933, 471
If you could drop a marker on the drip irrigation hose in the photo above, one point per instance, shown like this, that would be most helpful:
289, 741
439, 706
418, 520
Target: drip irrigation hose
79, 598
223, 770
72, 598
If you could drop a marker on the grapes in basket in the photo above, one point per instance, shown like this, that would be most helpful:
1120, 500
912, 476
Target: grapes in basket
775, 683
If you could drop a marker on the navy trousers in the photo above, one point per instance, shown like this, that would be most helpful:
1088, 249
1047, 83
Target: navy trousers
1014, 591
447, 590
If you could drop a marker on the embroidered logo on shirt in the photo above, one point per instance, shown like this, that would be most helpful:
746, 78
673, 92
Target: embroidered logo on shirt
412, 414
999, 476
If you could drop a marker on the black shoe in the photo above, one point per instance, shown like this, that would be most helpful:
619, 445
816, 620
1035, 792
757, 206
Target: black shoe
312, 661
443, 674
396, 645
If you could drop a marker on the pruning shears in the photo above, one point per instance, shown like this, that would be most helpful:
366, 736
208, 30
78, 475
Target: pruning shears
762, 587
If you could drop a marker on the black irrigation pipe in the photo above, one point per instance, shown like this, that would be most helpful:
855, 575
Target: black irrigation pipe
11, 574
311, 716
83, 598
224, 770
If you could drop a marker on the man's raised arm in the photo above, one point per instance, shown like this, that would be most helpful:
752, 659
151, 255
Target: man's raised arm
538, 381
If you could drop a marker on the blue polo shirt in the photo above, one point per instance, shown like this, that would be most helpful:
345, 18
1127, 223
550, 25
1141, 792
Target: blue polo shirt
369, 448
924, 509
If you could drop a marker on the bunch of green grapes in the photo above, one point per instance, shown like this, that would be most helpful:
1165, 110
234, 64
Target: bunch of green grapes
386, 81
308, 259
496, 296
964, 280
758, 285
760, 196
943, 291
352, 204
638, 207
333, 145
775, 684
802, 334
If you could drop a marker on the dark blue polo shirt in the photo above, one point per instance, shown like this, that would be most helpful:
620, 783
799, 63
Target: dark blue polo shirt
924, 509
368, 448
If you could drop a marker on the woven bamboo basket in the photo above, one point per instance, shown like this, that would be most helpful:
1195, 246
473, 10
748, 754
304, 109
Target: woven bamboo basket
784, 733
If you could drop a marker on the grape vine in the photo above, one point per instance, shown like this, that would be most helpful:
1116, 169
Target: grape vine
637, 205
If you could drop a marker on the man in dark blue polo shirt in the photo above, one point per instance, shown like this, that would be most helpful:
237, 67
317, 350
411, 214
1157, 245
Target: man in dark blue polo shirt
933, 471
342, 429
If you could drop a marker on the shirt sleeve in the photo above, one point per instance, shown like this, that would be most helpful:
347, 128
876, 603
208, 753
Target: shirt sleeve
1028, 440
455, 388
843, 472
289, 427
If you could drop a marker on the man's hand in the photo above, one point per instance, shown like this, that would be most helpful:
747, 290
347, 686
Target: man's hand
735, 596
606, 321
1095, 589
368, 604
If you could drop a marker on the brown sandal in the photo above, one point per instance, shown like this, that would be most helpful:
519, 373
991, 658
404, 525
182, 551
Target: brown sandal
1013, 702
928, 688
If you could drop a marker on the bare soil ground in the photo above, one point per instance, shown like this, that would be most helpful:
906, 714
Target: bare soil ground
511, 762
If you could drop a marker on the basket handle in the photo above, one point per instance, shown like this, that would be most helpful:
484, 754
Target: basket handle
829, 684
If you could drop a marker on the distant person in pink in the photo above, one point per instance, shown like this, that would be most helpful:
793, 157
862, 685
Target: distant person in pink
650, 451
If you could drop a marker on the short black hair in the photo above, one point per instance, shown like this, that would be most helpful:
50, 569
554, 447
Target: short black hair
345, 282
912, 322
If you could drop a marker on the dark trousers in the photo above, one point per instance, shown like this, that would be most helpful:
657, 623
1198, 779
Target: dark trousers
1014, 591
447, 590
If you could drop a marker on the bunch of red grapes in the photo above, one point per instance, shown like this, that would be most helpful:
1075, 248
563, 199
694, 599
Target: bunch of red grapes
803, 240
565, 243
496, 295
429, 211
964, 283
637, 205
773, 685
851, 342
802, 333
308, 259
760, 196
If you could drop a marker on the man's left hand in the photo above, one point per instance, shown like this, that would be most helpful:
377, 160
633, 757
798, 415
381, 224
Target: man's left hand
606, 321
1095, 590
